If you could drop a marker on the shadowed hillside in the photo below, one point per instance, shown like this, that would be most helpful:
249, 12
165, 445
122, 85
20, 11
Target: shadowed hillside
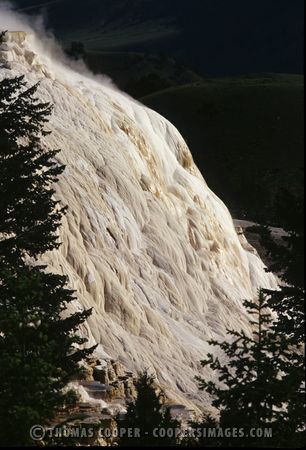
213, 37
246, 135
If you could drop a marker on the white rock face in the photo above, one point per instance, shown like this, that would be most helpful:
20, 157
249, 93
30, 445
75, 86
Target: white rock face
146, 243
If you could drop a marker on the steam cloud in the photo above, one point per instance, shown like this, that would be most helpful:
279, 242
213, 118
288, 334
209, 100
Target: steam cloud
43, 40
11, 20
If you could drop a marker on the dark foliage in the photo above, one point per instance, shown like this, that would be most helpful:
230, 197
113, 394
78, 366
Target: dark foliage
40, 349
263, 383
148, 419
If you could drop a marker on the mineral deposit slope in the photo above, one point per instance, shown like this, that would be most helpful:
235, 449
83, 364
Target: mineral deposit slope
146, 243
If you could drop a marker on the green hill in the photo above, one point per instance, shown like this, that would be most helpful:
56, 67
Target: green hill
246, 135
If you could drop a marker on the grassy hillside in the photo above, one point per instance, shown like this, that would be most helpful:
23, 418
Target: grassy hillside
246, 135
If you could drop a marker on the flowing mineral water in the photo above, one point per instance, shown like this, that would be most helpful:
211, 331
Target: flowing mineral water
146, 243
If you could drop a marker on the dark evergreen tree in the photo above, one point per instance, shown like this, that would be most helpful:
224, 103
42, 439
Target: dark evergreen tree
40, 349
287, 256
203, 433
250, 392
76, 50
38, 353
264, 380
30, 216
172, 429
146, 415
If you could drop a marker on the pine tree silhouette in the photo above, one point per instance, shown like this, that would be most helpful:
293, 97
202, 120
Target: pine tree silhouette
40, 349
147, 417
287, 302
250, 393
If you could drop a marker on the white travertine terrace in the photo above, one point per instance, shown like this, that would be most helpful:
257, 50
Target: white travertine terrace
146, 243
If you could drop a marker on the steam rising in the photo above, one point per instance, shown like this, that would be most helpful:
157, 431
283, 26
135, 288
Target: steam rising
11, 20
43, 41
